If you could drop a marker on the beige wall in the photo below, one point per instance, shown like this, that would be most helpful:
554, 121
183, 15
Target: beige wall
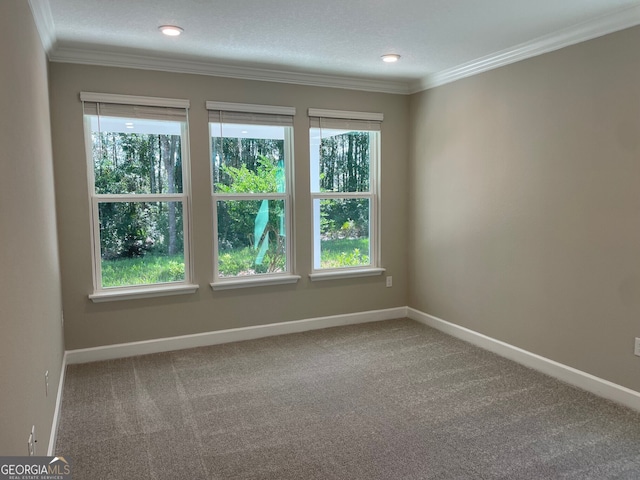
30, 302
88, 324
525, 205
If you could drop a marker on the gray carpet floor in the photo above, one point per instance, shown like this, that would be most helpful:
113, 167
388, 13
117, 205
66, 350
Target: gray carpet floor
384, 400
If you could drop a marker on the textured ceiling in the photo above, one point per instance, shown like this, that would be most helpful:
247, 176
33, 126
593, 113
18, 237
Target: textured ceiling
331, 37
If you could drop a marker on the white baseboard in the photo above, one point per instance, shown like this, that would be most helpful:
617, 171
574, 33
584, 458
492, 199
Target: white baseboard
570, 375
122, 350
56, 413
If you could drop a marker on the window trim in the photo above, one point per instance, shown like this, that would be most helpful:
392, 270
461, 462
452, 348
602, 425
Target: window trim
143, 291
255, 281
352, 272
288, 276
373, 195
126, 292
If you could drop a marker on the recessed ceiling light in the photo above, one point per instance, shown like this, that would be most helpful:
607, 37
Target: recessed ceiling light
390, 57
170, 30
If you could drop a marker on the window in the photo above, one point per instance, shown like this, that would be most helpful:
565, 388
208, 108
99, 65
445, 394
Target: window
138, 156
251, 158
344, 158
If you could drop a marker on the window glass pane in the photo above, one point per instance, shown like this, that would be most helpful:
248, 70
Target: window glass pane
247, 158
344, 232
340, 160
251, 237
132, 155
141, 243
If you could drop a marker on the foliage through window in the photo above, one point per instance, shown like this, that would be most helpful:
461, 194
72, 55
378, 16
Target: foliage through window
344, 160
138, 160
250, 155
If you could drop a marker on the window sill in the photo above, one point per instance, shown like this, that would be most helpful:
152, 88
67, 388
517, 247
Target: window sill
259, 281
350, 273
142, 292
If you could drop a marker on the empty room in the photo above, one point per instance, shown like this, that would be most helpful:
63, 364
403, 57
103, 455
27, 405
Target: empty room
335, 240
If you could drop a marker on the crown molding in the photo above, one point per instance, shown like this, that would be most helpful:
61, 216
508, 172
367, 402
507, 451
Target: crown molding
626, 18
619, 20
87, 56
43, 19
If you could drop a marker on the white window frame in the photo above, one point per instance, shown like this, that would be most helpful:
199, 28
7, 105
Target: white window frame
288, 276
355, 121
103, 294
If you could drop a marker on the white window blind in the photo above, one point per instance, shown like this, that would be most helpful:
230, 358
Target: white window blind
247, 118
246, 114
131, 106
345, 120
135, 111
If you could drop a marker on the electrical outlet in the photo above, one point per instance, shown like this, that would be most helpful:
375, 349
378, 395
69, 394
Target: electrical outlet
46, 383
389, 281
636, 350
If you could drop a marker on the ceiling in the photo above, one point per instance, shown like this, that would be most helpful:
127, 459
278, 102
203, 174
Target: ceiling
328, 42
